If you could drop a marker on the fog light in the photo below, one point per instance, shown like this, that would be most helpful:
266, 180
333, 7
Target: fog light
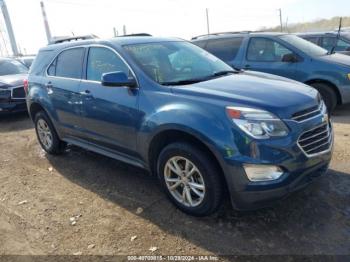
259, 173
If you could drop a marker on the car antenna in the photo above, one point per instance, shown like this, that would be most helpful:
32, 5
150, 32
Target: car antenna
338, 35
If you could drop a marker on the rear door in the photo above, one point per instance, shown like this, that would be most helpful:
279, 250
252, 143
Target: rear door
62, 85
266, 55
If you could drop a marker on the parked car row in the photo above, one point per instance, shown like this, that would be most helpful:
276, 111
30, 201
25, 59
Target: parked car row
205, 129
285, 55
338, 42
27, 60
12, 94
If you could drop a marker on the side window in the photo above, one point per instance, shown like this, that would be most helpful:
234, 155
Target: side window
342, 46
266, 50
68, 64
226, 49
102, 60
312, 39
201, 44
328, 42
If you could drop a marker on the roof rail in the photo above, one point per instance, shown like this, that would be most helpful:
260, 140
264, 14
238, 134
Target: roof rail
222, 33
138, 34
59, 40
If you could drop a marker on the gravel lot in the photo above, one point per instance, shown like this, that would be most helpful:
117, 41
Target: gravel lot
84, 203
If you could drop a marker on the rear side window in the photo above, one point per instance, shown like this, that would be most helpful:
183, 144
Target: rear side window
68, 64
226, 49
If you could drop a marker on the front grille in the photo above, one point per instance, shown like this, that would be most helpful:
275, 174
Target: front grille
5, 95
308, 113
316, 140
18, 93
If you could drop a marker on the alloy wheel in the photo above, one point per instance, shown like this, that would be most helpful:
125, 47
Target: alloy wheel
184, 181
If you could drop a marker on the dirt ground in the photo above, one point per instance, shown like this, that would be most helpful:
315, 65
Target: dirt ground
84, 203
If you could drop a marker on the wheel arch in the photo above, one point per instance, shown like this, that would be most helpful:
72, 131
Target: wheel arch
166, 137
34, 109
327, 82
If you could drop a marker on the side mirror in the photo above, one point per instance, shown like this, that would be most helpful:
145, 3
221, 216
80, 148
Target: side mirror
117, 79
290, 58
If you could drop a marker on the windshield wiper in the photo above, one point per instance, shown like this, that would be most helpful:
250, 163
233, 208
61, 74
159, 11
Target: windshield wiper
197, 80
226, 72
184, 82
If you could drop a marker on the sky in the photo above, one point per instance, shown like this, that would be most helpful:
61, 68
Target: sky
179, 18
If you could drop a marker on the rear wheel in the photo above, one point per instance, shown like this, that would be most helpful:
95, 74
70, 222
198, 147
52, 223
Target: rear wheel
190, 179
47, 135
328, 95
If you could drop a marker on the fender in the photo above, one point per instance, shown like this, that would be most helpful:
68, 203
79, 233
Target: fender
37, 95
203, 123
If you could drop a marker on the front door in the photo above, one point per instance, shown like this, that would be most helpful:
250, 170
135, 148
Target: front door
266, 55
110, 114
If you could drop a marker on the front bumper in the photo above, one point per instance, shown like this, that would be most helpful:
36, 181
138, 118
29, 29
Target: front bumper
263, 195
13, 107
299, 169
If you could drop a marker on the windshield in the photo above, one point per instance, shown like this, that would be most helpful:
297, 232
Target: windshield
12, 67
304, 45
176, 62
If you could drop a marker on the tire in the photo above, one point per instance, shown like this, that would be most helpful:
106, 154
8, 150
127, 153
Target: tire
205, 201
44, 128
328, 95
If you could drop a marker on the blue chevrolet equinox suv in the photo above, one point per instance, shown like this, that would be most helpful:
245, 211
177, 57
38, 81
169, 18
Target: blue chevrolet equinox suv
285, 55
205, 130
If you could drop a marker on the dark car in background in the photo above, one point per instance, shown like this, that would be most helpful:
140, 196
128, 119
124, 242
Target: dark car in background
26, 60
285, 55
331, 41
12, 93
180, 112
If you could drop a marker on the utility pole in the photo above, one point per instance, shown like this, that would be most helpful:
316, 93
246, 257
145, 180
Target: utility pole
207, 13
11, 35
46, 23
124, 29
280, 11
115, 31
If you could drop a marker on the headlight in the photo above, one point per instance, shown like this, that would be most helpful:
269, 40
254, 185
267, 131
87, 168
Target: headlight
349, 76
257, 123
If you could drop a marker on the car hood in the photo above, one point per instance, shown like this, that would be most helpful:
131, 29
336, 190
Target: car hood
340, 59
276, 94
12, 80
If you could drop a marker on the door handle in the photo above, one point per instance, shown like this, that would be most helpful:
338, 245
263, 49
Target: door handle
85, 92
48, 85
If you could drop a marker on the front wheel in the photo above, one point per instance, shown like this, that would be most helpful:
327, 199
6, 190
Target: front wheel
328, 95
190, 179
